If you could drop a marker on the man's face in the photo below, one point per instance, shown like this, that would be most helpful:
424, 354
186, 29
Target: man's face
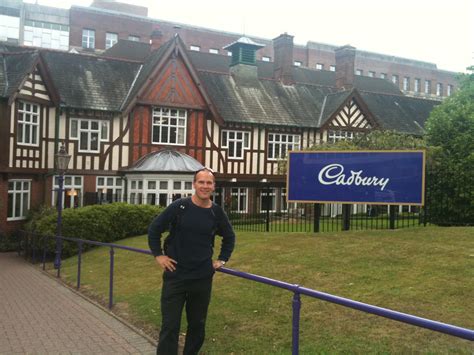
204, 184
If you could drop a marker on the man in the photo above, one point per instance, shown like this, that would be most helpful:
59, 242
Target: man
187, 261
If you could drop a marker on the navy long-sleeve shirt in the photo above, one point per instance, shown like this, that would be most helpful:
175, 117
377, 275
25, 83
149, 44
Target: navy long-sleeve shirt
192, 229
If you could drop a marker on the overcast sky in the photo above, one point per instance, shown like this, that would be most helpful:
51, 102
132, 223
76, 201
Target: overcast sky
441, 32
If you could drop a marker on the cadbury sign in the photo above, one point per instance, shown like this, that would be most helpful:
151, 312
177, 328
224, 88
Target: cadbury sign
391, 177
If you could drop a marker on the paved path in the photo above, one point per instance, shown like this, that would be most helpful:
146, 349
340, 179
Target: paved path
38, 315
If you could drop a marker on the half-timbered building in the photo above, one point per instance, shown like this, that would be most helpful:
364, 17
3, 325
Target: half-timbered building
138, 126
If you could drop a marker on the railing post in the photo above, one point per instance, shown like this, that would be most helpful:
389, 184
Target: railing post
393, 214
316, 217
268, 208
79, 264
33, 253
45, 241
346, 217
111, 278
296, 322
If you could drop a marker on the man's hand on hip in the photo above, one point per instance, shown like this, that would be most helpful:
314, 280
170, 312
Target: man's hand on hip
166, 262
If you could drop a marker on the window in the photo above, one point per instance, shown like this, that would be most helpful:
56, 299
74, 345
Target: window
195, 48
134, 38
336, 136
395, 79
266, 59
9, 24
238, 199
110, 39
46, 34
268, 200
169, 126
439, 89
449, 90
383, 76
319, 66
359, 72
406, 83
72, 195
229, 54
236, 142
417, 85
110, 188
28, 124
214, 51
18, 199
297, 63
88, 38
332, 68
427, 87
159, 191
371, 74
136, 192
89, 133
280, 144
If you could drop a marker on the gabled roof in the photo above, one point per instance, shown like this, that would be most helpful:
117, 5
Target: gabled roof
115, 85
267, 102
14, 68
154, 63
90, 82
401, 113
143, 74
331, 103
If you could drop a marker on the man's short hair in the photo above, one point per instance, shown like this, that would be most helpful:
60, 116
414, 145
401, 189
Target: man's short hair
204, 169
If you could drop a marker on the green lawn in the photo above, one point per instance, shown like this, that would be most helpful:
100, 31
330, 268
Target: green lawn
427, 272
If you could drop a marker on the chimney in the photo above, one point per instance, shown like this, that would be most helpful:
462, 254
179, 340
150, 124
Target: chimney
345, 63
283, 61
156, 40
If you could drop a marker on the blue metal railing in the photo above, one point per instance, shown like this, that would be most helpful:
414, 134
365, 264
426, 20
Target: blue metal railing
297, 290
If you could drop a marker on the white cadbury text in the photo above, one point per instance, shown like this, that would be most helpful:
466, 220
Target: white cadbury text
334, 174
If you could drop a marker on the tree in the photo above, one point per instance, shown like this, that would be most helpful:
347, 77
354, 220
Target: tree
450, 131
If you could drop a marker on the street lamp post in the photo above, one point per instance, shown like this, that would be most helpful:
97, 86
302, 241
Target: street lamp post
62, 162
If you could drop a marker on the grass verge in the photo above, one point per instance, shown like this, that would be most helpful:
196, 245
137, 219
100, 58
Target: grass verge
427, 272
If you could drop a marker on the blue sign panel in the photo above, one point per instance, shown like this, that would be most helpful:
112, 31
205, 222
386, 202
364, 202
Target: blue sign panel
388, 177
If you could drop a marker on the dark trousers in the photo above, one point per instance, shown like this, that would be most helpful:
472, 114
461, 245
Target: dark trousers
196, 294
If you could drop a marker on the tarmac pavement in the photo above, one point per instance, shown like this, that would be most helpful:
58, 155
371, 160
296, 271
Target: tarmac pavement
39, 315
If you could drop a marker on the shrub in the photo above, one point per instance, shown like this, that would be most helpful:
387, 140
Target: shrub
8, 242
103, 223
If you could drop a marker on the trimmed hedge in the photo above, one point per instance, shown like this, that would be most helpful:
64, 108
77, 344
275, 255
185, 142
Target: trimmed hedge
103, 223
